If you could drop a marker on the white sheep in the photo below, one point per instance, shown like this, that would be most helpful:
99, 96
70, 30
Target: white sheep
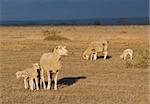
98, 46
51, 64
31, 74
127, 52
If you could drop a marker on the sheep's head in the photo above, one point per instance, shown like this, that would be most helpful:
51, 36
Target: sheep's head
93, 51
86, 55
36, 66
20, 74
61, 50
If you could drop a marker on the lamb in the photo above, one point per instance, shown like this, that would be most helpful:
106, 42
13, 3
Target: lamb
127, 52
31, 74
98, 46
51, 64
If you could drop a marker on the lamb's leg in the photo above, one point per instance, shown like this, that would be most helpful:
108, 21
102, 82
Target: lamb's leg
49, 80
105, 55
36, 82
25, 83
55, 81
42, 78
31, 83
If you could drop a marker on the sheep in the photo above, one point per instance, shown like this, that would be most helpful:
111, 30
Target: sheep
127, 52
98, 46
51, 64
31, 74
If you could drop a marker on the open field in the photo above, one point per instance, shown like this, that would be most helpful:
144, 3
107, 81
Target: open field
80, 81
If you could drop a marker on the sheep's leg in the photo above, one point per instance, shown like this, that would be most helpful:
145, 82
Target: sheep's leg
124, 57
131, 57
31, 83
55, 81
36, 82
49, 80
40, 82
95, 56
91, 56
42, 79
105, 55
25, 83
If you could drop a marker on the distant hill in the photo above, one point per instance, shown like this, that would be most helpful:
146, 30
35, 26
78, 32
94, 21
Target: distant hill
103, 21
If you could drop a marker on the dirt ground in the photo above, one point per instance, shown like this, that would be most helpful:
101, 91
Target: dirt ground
80, 81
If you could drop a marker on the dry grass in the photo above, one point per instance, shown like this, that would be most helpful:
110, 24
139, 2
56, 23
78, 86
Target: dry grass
141, 59
80, 81
55, 38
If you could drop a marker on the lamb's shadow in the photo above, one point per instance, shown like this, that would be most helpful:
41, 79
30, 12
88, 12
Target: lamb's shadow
102, 57
68, 81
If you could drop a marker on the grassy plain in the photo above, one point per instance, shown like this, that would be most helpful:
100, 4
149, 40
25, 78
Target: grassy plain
81, 81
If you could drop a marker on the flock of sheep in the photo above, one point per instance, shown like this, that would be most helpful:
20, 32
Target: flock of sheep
50, 63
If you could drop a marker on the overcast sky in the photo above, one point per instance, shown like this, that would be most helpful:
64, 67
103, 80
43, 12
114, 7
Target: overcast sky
71, 9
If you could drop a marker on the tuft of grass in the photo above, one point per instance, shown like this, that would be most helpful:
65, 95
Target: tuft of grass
53, 35
141, 59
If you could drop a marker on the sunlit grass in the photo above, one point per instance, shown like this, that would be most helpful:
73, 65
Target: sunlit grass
141, 59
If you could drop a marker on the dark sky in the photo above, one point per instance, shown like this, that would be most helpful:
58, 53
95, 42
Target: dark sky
71, 9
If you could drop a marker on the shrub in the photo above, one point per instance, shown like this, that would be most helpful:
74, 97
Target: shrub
52, 35
55, 37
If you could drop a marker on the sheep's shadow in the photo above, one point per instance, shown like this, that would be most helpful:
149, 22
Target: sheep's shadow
102, 57
68, 81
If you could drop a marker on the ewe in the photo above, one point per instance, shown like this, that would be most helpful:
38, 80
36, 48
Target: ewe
98, 46
51, 63
127, 52
31, 74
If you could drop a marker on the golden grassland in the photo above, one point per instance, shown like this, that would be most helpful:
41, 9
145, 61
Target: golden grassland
81, 81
